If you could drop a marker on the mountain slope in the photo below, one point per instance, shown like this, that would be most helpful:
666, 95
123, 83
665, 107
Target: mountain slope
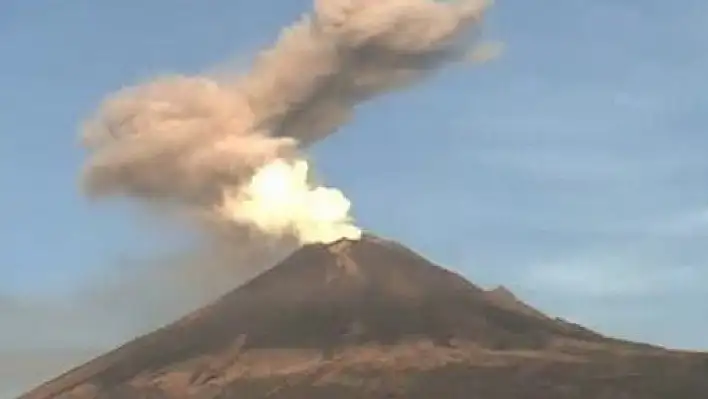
370, 317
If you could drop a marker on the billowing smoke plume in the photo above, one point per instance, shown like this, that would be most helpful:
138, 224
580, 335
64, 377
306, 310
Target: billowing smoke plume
279, 200
230, 150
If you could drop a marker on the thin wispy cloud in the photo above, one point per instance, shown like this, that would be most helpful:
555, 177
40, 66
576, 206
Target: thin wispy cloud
611, 276
690, 224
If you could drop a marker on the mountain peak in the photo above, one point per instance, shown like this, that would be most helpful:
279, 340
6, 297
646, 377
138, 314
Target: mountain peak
326, 299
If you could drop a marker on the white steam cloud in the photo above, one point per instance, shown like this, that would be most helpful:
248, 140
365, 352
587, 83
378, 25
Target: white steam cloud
230, 149
280, 200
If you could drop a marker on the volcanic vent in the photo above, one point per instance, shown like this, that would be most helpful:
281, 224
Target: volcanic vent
368, 304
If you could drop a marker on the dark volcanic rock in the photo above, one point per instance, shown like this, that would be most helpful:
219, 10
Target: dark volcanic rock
371, 318
506, 299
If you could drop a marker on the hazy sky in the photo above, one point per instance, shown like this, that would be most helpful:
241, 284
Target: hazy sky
573, 169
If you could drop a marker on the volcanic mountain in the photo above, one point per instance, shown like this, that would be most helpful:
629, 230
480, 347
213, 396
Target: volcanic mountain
372, 319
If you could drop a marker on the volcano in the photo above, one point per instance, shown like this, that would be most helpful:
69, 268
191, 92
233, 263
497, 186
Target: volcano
373, 319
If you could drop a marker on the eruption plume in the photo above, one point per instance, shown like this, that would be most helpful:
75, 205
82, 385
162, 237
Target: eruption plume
279, 200
232, 149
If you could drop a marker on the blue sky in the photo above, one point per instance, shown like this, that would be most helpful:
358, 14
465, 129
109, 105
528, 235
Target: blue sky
573, 169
